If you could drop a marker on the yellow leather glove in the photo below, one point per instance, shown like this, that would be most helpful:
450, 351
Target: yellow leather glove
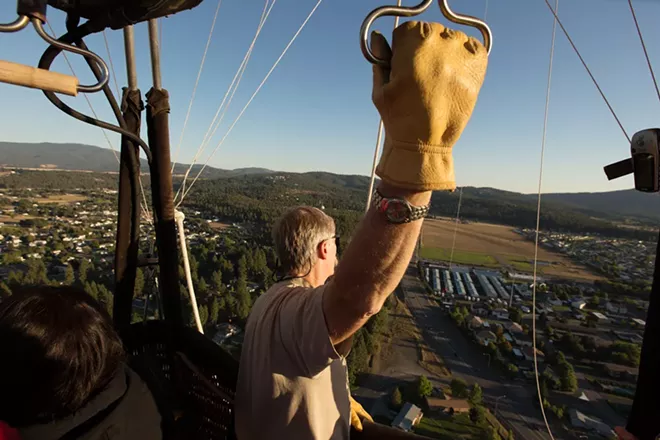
358, 413
425, 98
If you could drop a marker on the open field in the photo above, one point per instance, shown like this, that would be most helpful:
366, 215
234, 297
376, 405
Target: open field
483, 244
219, 226
8, 220
60, 199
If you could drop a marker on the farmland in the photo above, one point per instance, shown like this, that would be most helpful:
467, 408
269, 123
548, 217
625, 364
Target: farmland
495, 246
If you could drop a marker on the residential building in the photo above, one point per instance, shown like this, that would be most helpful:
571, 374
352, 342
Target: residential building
409, 416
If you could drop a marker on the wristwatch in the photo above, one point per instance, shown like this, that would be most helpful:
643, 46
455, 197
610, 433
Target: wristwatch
398, 210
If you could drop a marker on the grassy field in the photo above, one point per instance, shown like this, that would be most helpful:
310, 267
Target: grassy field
482, 244
449, 428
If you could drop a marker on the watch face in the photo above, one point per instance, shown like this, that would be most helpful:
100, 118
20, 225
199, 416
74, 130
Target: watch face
398, 211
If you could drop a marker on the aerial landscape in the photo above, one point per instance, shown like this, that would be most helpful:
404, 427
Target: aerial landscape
155, 281
455, 338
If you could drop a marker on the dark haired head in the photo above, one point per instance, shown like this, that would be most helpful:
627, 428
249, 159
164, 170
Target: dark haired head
57, 348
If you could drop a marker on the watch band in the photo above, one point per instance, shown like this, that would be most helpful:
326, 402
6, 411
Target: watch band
399, 210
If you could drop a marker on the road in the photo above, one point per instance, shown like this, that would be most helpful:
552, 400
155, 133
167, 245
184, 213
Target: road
517, 410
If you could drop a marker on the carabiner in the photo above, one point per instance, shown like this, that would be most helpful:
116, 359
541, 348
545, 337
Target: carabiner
385, 11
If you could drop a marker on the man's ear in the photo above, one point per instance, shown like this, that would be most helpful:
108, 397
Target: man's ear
323, 250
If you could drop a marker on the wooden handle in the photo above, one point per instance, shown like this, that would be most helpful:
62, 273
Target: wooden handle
27, 76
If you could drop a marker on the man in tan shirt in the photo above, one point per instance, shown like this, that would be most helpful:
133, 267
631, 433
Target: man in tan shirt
292, 380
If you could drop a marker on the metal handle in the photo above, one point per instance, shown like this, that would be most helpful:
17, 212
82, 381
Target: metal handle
385, 11
18, 24
468, 20
105, 74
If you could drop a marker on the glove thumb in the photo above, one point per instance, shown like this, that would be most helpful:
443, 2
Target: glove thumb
381, 49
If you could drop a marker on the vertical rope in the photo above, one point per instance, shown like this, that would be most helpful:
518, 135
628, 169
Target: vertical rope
194, 92
538, 219
379, 141
584, 63
458, 214
646, 54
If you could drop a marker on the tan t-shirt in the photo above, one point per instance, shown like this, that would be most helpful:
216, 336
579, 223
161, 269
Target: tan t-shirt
292, 383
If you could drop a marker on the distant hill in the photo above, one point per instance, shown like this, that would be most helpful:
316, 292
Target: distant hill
258, 187
89, 158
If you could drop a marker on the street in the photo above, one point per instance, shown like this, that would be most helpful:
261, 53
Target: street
516, 410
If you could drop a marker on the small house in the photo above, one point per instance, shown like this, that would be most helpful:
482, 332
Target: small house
409, 416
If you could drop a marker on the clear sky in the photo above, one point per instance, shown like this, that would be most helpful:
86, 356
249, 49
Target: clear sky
315, 112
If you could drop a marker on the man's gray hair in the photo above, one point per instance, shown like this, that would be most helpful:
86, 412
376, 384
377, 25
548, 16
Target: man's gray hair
296, 234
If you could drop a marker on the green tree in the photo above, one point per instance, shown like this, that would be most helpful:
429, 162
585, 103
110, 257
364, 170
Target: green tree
476, 395
478, 414
515, 315
216, 282
424, 387
396, 399
83, 268
214, 311
204, 315
91, 290
459, 388
202, 287
69, 275
5, 291
491, 434
139, 282
243, 299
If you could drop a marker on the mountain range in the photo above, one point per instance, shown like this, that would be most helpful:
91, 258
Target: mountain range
79, 157
625, 206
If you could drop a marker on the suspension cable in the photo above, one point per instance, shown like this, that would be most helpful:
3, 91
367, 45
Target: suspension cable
646, 54
112, 65
538, 217
379, 139
231, 127
570, 40
194, 92
143, 204
458, 214
222, 108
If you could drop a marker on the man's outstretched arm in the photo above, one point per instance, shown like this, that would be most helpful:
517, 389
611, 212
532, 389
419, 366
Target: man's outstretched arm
425, 100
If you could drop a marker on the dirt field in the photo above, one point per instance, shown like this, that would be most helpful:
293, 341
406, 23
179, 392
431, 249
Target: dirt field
483, 244
219, 226
60, 199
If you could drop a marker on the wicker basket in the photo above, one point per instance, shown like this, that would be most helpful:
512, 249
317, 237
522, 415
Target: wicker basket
193, 380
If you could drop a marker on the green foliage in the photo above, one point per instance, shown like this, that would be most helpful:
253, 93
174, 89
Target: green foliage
83, 268
515, 315
69, 275
491, 434
204, 315
424, 387
214, 311
478, 414
476, 395
5, 291
396, 399
358, 359
139, 282
244, 301
459, 388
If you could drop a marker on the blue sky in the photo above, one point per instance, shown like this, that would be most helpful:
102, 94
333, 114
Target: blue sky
315, 111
